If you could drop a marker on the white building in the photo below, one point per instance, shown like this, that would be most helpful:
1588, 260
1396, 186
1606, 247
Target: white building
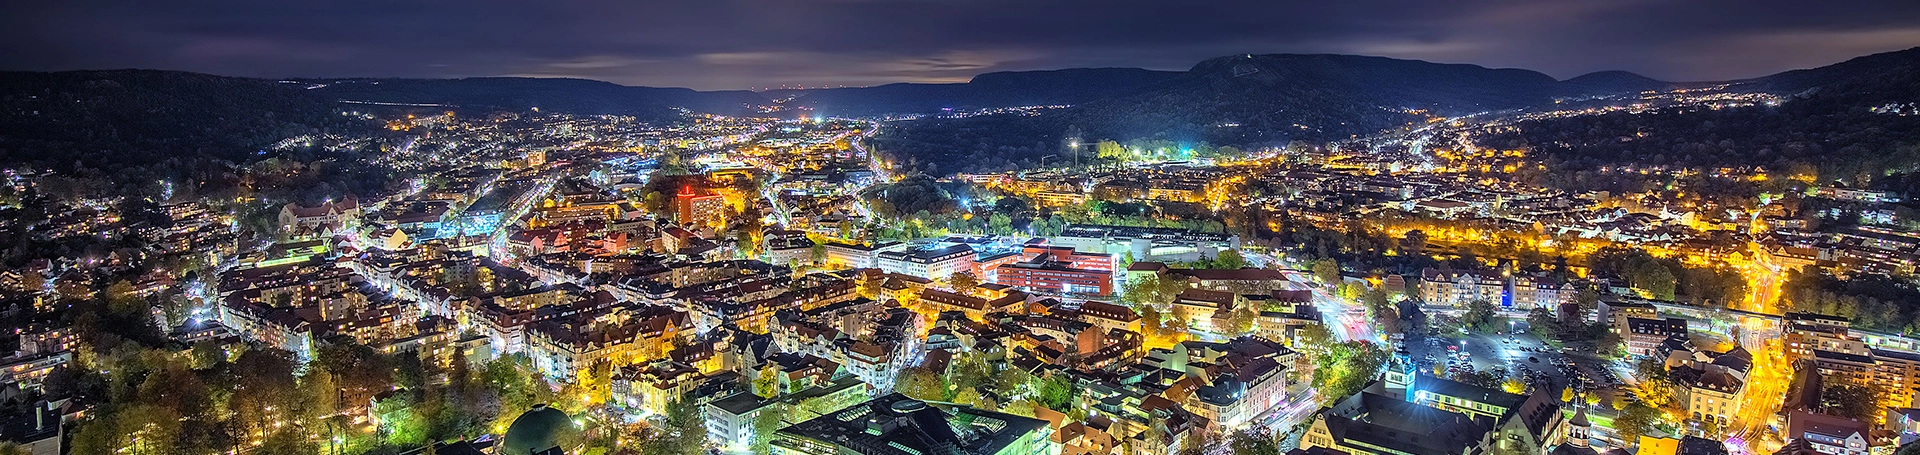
860, 256
932, 264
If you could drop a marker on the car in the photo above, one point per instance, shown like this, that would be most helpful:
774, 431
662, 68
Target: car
1533, 359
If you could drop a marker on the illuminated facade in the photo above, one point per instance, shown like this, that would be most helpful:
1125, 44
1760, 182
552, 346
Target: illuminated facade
699, 210
932, 264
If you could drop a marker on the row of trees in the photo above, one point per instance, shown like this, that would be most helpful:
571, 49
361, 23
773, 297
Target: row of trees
929, 210
1341, 368
1669, 278
1873, 301
1818, 137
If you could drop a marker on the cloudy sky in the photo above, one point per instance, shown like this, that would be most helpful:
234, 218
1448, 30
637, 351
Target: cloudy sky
738, 44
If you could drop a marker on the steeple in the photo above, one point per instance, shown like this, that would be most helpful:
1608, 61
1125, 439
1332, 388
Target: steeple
1401, 375
1579, 430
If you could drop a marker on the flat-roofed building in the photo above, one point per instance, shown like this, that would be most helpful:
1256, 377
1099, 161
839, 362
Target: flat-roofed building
897, 425
933, 264
1807, 332
860, 256
1047, 276
699, 209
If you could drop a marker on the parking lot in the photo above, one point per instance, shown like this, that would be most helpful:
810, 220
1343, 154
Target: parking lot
1515, 353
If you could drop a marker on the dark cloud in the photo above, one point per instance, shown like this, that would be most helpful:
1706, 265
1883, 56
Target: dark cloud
716, 44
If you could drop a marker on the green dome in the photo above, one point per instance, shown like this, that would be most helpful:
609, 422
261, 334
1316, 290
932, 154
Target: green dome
538, 429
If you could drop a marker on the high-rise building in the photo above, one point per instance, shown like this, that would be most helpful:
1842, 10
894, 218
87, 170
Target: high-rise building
699, 209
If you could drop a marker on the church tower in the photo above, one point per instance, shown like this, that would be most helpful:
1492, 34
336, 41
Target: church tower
1579, 431
1401, 375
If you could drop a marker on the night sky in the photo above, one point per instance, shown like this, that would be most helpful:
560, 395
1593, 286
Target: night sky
738, 44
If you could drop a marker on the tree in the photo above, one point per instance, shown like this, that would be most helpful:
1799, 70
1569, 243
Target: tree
1513, 386
1055, 392
1178, 320
1157, 289
1656, 279
97, 435
123, 302
1587, 299
1605, 342
1022, 407
1644, 272
920, 383
1541, 323
685, 427
400, 419
289, 441
746, 242
319, 395
964, 283
1012, 382
1907, 449
1313, 337
1344, 368
1635, 420
1241, 320
1349, 291
1479, 315
33, 282
1229, 259
764, 424
1377, 301
999, 223
597, 382
767, 384
1110, 150
656, 203
1326, 270
970, 370
1655, 387
1859, 402
1712, 428
1413, 242
1253, 442
968, 396
868, 285
264, 388
1566, 395
1387, 320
